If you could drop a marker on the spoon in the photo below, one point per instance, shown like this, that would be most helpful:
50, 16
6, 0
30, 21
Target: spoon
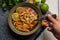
46, 18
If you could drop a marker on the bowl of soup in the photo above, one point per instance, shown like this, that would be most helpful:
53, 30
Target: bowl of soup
21, 19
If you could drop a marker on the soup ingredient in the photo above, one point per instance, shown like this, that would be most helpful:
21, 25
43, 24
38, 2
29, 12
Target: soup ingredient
21, 28
4, 6
8, 4
23, 19
18, 9
43, 1
44, 7
44, 23
16, 1
15, 16
31, 1
36, 2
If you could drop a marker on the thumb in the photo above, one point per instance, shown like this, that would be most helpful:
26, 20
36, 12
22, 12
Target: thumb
52, 19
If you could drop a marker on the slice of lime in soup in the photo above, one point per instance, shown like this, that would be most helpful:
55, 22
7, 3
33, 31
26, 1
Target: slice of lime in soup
15, 16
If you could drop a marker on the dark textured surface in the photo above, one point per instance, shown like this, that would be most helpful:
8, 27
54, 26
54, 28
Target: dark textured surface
6, 33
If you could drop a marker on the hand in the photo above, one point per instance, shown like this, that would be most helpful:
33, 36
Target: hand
54, 26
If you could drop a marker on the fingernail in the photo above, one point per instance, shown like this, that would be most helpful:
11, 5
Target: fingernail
48, 28
49, 15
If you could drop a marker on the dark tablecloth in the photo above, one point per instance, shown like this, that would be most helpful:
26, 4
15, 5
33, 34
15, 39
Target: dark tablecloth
6, 33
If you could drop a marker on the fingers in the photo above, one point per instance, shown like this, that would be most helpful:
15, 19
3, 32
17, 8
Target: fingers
52, 19
58, 19
49, 28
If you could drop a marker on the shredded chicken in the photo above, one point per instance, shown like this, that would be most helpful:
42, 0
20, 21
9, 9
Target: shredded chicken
23, 18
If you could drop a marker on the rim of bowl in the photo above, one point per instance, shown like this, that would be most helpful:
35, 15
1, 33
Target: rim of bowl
12, 26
